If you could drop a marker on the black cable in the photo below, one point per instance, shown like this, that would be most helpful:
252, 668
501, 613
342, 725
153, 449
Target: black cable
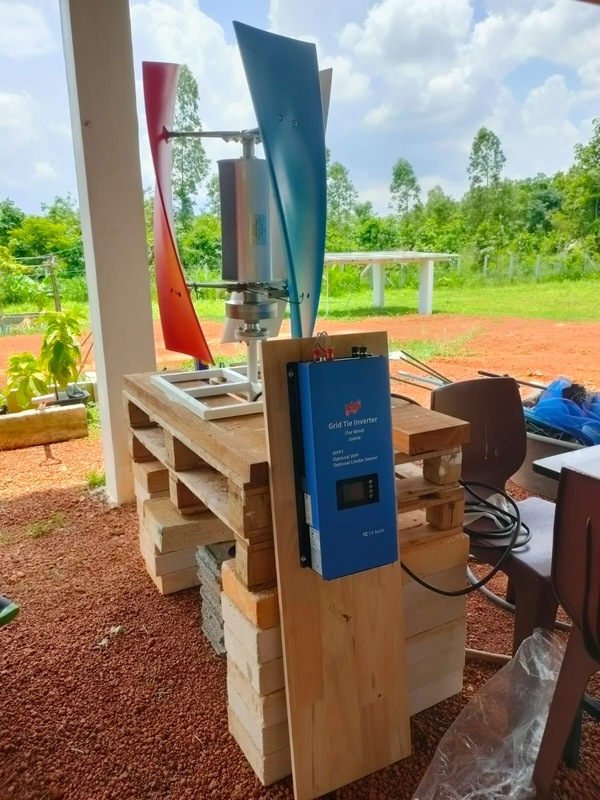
502, 560
483, 505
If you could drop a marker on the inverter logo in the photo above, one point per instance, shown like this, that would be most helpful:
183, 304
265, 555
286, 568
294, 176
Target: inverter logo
353, 408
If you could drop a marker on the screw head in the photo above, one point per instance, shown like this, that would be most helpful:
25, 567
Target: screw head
279, 117
294, 123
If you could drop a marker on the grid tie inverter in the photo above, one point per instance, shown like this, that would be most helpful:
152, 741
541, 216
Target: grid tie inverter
344, 464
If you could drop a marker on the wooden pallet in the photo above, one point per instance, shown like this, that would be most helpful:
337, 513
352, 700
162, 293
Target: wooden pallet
218, 466
222, 466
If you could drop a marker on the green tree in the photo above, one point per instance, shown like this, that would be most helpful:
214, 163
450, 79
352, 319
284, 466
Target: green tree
341, 204
580, 215
190, 162
364, 210
201, 245
404, 188
213, 196
377, 233
10, 217
486, 160
64, 211
39, 236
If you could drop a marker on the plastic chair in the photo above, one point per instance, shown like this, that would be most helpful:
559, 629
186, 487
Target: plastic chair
495, 451
576, 581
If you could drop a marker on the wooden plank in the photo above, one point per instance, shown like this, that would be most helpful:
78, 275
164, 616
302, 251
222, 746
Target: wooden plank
448, 515
419, 430
433, 693
269, 769
210, 487
153, 440
235, 447
136, 417
255, 563
163, 563
267, 740
425, 609
343, 640
429, 558
138, 452
264, 678
178, 455
182, 498
171, 531
141, 494
269, 709
261, 608
249, 512
261, 645
404, 458
413, 529
152, 476
417, 493
435, 653
173, 581
443, 469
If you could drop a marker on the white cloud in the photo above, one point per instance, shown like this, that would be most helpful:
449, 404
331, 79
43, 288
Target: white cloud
409, 31
379, 116
23, 31
348, 83
44, 171
176, 30
18, 114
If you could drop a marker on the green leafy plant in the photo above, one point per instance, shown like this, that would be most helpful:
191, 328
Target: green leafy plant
60, 353
95, 479
25, 376
92, 413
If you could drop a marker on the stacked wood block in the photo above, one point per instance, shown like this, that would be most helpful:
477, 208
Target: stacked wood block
434, 547
211, 466
173, 522
256, 709
216, 473
209, 558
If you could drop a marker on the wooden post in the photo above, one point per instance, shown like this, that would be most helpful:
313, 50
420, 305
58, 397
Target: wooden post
100, 80
537, 267
511, 266
485, 265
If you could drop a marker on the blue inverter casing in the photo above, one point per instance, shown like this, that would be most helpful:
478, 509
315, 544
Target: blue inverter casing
348, 464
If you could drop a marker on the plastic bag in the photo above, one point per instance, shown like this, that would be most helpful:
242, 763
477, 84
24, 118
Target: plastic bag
580, 419
490, 750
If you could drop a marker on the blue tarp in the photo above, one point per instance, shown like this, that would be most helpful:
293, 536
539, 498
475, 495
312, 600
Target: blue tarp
579, 419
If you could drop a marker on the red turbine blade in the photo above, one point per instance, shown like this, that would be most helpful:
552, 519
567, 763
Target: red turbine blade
181, 329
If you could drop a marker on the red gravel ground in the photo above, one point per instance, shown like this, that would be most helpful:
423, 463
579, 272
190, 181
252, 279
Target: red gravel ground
144, 717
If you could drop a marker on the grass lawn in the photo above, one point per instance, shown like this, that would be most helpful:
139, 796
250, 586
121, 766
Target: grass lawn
568, 301
563, 301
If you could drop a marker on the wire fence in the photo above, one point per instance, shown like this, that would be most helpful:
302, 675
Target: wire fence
43, 285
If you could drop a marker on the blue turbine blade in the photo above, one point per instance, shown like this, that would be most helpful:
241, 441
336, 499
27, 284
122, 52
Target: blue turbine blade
283, 77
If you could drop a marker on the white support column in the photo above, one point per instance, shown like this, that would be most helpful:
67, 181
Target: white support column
99, 65
426, 287
378, 277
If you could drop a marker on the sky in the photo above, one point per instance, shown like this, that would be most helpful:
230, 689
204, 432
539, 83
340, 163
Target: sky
412, 79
